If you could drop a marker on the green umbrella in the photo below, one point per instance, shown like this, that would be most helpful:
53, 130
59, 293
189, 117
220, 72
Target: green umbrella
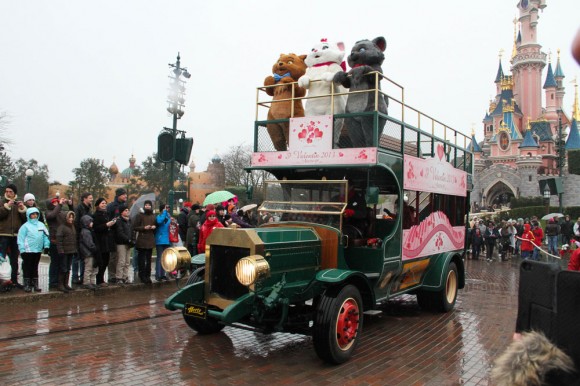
218, 197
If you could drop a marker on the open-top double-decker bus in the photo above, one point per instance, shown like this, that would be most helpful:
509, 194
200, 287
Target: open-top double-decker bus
355, 227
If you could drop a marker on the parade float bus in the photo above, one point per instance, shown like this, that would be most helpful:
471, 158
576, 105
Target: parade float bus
330, 259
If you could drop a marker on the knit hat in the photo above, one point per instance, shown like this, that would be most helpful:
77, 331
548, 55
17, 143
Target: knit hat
120, 192
122, 208
195, 207
210, 207
29, 196
54, 201
210, 213
148, 202
187, 204
99, 200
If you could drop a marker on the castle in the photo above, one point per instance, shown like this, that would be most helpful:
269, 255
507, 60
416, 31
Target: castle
521, 137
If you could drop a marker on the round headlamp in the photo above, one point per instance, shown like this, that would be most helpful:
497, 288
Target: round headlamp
175, 258
251, 268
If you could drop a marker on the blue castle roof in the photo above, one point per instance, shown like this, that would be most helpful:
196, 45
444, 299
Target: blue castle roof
506, 96
474, 146
542, 130
573, 142
550, 80
559, 73
529, 140
499, 73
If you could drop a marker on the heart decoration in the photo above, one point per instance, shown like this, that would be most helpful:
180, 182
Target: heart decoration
440, 152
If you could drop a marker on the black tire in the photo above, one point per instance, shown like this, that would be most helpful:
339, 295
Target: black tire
196, 276
444, 299
338, 310
202, 326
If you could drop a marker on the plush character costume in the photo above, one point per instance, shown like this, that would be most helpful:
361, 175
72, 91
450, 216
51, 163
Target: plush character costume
365, 56
288, 69
324, 61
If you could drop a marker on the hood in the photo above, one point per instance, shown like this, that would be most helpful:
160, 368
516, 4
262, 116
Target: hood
86, 220
527, 227
70, 212
31, 210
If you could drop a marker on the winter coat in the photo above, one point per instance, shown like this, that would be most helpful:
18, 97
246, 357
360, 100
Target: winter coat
490, 235
182, 222
206, 230
477, 239
87, 241
552, 229
55, 216
567, 228
80, 211
538, 235
574, 263
33, 235
113, 208
146, 237
66, 237
527, 237
103, 232
11, 218
162, 220
192, 228
239, 220
123, 231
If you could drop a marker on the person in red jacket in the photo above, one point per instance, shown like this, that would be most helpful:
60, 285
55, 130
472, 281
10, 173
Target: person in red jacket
527, 247
574, 263
211, 222
538, 237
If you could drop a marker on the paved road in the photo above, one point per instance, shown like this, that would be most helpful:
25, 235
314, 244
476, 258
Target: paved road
125, 336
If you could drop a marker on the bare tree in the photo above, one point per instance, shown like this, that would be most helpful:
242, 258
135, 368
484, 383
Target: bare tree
4, 139
235, 160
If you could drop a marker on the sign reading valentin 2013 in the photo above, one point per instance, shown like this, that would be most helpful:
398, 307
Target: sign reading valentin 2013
310, 143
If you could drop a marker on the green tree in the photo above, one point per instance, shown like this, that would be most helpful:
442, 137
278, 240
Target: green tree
156, 175
38, 182
235, 160
7, 167
91, 176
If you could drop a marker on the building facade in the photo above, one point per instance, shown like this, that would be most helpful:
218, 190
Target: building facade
523, 135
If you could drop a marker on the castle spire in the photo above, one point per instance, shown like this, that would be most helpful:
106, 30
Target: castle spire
575, 108
514, 49
550, 80
559, 73
500, 69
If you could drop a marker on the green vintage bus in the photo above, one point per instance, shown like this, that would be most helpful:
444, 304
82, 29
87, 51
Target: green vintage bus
354, 227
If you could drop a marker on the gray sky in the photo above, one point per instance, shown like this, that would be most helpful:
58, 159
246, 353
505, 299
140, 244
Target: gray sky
86, 79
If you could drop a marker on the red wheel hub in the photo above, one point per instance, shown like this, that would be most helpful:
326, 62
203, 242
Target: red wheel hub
347, 323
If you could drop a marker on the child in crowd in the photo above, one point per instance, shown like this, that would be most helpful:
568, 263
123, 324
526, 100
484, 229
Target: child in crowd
124, 241
66, 245
32, 240
89, 251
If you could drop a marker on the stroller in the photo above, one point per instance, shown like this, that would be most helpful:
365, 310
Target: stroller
504, 247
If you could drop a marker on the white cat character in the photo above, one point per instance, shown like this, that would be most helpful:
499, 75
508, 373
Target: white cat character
324, 61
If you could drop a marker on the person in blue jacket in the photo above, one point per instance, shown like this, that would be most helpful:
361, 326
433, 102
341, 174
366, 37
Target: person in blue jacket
32, 240
163, 220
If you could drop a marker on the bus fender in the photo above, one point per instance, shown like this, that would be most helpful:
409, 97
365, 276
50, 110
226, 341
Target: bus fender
435, 278
334, 279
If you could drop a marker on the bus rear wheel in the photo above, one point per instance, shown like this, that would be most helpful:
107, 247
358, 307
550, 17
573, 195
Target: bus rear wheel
338, 324
444, 299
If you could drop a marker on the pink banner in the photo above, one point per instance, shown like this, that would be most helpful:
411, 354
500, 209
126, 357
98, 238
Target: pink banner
365, 155
432, 236
310, 143
434, 175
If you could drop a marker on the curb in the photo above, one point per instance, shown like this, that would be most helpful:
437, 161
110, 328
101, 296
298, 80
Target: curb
19, 296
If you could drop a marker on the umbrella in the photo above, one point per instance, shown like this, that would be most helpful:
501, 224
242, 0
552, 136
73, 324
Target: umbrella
138, 204
552, 215
245, 208
217, 197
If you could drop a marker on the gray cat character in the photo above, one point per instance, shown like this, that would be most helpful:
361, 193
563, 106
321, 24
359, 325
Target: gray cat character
366, 56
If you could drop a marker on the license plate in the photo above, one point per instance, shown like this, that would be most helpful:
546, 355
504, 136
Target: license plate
195, 310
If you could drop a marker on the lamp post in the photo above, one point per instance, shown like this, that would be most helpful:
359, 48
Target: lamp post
29, 173
547, 195
176, 102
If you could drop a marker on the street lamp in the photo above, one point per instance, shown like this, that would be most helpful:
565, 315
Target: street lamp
29, 173
547, 195
176, 105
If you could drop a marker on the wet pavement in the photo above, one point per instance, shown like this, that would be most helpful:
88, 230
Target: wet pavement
124, 335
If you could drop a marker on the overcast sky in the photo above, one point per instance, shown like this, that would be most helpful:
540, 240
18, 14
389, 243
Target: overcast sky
86, 79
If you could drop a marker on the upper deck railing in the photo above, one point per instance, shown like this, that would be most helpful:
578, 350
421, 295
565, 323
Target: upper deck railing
406, 130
